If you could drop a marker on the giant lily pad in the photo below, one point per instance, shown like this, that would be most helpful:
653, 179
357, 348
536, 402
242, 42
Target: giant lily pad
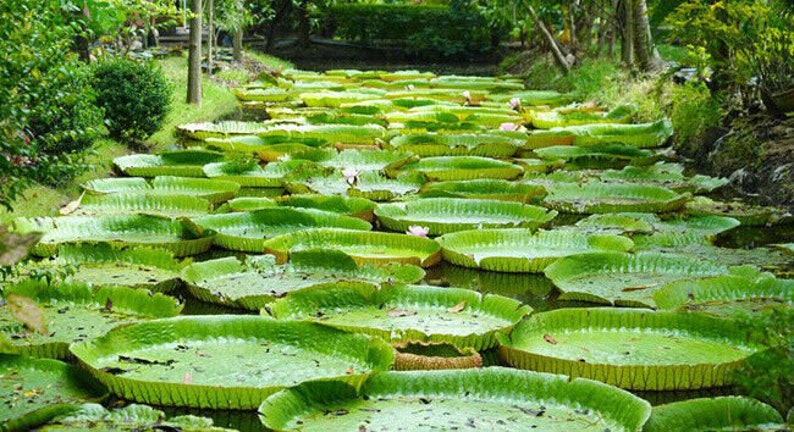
251, 174
534, 97
334, 99
669, 175
226, 361
592, 197
259, 280
145, 203
457, 168
214, 191
363, 246
645, 135
331, 134
36, 390
682, 232
177, 236
624, 279
435, 144
361, 208
444, 215
103, 265
134, 417
368, 185
631, 348
359, 160
724, 413
599, 156
248, 231
748, 291
270, 94
748, 215
42, 319
575, 117
489, 118
202, 131
520, 250
182, 163
485, 189
457, 316
494, 399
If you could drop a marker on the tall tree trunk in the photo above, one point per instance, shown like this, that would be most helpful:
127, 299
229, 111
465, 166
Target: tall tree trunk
614, 29
210, 33
562, 61
648, 58
281, 10
627, 42
304, 25
237, 46
194, 55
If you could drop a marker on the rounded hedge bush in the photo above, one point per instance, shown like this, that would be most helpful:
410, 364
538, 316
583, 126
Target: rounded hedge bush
135, 96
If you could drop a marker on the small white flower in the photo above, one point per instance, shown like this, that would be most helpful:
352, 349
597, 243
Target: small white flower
418, 231
515, 103
410, 87
508, 126
351, 175
466, 95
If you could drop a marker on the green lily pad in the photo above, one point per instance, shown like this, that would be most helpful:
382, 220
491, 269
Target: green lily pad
144, 203
334, 99
683, 232
520, 250
624, 279
485, 189
599, 156
762, 258
746, 214
490, 118
534, 97
363, 246
456, 316
360, 160
368, 185
177, 236
748, 291
329, 134
445, 215
574, 117
226, 361
248, 231
72, 312
631, 348
270, 94
644, 135
444, 168
494, 399
251, 174
181, 163
710, 414
621, 223
103, 265
259, 280
134, 417
36, 390
202, 131
435, 144
668, 175
214, 191
247, 204
592, 197
361, 208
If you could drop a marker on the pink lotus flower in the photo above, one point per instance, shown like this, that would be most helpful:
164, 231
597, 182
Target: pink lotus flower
508, 126
351, 175
515, 103
418, 231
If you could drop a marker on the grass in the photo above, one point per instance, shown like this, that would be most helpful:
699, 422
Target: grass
217, 102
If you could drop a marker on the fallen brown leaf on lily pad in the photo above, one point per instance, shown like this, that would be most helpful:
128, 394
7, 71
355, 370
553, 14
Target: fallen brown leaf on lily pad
458, 307
549, 339
26, 311
400, 313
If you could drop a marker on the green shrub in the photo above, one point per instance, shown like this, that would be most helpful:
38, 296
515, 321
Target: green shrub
135, 96
457, 30
693, 111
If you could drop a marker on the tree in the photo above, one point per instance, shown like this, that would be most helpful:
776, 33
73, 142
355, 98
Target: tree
194, 55
233, 17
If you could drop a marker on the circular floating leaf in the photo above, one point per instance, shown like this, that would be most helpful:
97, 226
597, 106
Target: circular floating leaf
359, 160
728, 294
630, 348
594, 197
624, 279
669, 175
598, 156
36, 390
445, 215
251, 174
747, 215
182, 163
329, 134
226, 361
677, 233
42, 320
351, 206
270, 94
457, 168
177, 236
138, 418
252, 285
363, 246
247, 204
248, 232
202, 131
485, 189
214, 191
457, 316
495, 399
144, 203
519, 250
708, 414
459, 144
643, 135
368, 185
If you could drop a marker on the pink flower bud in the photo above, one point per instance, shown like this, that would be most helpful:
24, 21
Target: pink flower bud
418, 231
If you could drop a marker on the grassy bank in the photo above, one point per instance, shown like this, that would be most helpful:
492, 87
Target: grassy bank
217, 102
